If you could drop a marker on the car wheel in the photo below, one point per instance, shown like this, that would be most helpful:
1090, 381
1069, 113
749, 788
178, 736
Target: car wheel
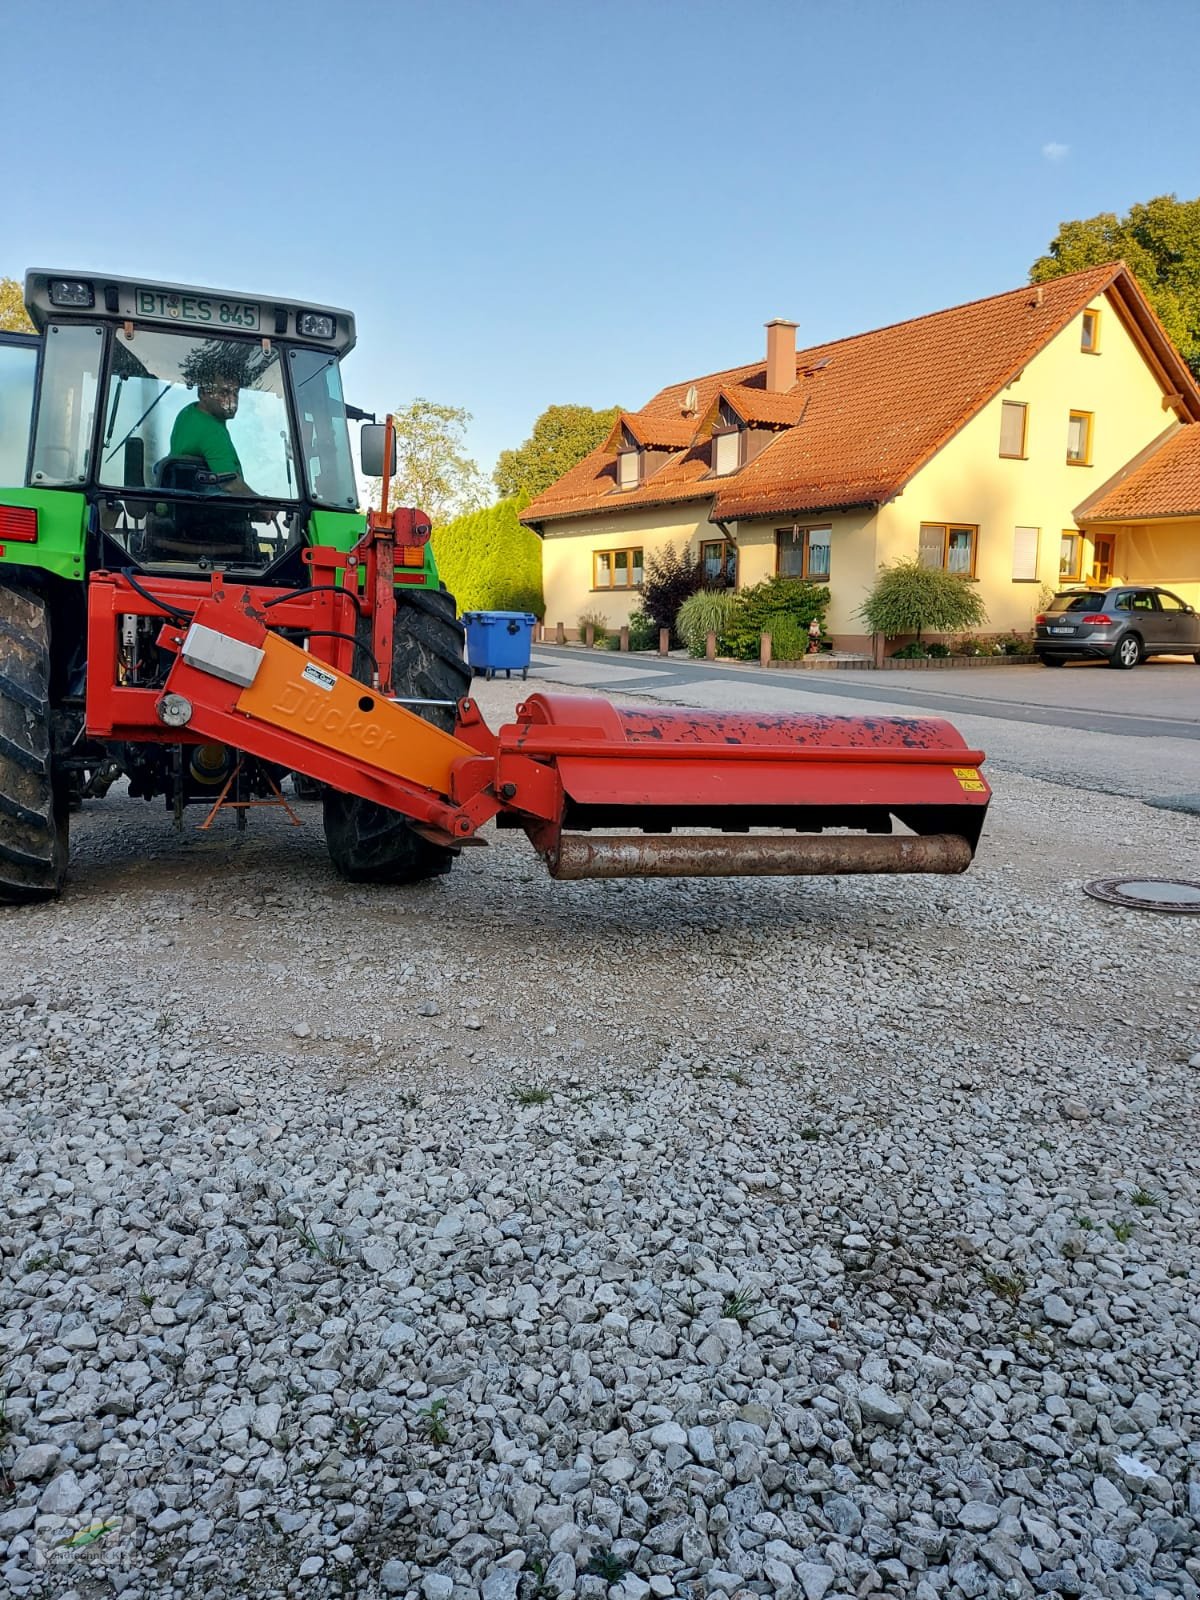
1127, 654
1053, 661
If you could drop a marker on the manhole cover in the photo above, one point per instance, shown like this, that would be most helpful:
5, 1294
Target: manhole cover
1179, 895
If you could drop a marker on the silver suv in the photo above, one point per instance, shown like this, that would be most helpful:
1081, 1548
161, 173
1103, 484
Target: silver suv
1123, 625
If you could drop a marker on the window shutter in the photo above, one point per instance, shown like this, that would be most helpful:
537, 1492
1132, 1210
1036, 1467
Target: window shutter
627, 469
1012, 428
725, 446
1025, 553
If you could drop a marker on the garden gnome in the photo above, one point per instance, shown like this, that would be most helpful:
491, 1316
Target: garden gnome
814, 637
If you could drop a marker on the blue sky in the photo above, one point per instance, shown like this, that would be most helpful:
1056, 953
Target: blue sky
531, 203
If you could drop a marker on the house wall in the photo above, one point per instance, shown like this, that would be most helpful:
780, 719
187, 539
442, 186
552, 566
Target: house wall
969, 482
851, 565
568, 546
1165, 553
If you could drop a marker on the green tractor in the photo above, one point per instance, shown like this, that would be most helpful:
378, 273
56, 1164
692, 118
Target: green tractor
180, 439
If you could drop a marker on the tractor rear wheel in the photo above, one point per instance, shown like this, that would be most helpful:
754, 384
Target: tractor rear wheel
34, 806
367, 842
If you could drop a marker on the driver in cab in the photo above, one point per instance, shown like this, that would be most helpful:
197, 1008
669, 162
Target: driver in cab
202, 430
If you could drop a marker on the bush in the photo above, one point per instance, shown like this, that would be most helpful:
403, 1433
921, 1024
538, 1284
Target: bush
707, 611
909, 598
669, 578
789, 641
1014, 644
940, 651
766, 608
971, 646
489, 562
643, 633
914, 650
597, 621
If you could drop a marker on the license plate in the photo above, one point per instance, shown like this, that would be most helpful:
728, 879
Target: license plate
196, 309
1062, 630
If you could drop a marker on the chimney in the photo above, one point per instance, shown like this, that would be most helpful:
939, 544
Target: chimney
781, 355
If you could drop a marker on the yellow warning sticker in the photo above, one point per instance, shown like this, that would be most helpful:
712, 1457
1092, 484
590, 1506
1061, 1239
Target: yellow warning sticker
969, 780
966, 772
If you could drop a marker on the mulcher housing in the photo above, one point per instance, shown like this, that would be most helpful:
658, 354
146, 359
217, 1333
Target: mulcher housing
205, 624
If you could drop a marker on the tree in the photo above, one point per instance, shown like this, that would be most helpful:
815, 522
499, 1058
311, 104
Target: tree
13, 316
561, 437
489, 561
433, 471
670, 577
908, 598
1160, 240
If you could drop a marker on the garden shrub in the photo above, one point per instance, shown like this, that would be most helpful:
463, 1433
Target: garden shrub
910, 598
598, 622
668, 579
765, 608
914, 650
789, 641
939, 651
643, 632
707, 611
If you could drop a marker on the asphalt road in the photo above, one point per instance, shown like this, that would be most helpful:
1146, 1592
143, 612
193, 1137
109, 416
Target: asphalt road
1127, 733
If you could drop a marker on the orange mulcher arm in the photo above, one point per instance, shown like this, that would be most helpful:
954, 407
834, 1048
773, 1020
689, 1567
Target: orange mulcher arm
571, 766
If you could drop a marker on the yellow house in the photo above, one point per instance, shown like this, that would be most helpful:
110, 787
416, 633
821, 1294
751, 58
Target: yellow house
1149, 516
964, 438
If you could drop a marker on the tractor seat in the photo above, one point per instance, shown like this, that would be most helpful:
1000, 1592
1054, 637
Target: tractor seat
187, 528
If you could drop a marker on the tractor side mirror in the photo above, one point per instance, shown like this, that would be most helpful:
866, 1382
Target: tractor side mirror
370, 446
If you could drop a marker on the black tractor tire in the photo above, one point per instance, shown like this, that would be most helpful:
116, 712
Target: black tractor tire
34, 804
1126, 653
1053, 661
367, 842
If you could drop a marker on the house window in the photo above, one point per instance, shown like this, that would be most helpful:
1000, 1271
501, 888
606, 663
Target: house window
949, 545
803, 552
1070, 557
1089, 337
719, 560
727, 451
629, 469
617, 569
1079, 439
1025, 554
1012, 429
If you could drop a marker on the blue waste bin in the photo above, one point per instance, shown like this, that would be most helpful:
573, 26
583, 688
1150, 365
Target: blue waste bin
499, 641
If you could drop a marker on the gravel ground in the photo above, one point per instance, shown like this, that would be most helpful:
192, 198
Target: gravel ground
515, 1239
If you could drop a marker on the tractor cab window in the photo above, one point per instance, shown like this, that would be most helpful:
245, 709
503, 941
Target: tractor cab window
197, 415
196, 451
67, 406
324, 437
18, 376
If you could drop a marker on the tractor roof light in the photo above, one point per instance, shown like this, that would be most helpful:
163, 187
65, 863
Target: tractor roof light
315, 325
72, 292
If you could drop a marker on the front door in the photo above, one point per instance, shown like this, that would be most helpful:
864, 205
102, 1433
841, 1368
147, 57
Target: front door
1102, 558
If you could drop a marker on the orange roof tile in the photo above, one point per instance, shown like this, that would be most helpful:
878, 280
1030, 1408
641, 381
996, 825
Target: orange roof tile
865, 412
1163, 481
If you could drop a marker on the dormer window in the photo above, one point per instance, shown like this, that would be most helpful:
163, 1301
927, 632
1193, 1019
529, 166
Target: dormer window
629, 461
728, 445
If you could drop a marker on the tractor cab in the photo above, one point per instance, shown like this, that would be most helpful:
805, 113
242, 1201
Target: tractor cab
204, 428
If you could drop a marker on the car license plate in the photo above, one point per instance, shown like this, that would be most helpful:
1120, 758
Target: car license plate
198, 309
1062, 630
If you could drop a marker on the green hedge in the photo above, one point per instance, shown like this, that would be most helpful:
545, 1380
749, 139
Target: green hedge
489, 562
782, 607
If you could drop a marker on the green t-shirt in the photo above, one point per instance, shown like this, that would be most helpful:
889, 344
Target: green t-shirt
196, 433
